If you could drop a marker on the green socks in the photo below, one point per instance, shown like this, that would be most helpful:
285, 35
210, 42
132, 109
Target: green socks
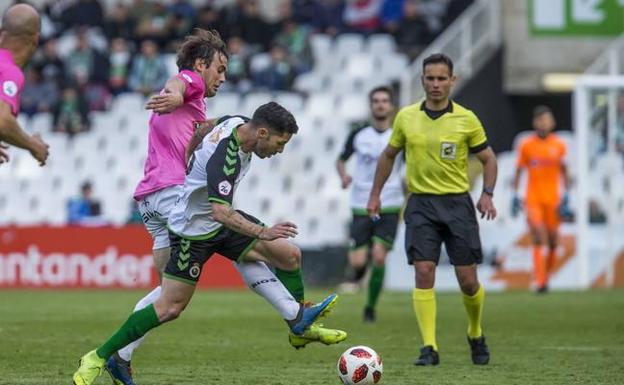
293, 281
139, 323
375, 284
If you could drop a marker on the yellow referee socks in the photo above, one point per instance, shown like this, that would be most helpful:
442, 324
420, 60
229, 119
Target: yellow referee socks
425, 309
474, 308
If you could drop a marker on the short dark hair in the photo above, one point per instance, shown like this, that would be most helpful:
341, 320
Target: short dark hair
385, 89
541, 110
274, 117
438, 58
201, 45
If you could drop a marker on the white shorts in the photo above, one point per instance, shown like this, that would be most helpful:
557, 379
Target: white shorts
155, 209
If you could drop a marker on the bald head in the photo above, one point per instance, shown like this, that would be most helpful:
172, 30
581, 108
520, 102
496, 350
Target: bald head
21, 20
19, 32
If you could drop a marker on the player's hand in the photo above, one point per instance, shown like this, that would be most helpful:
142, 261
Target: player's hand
39, 149
4, 154
346, 181
486, 207
373, 206
280, 230
165, 102
564, 207
516, 206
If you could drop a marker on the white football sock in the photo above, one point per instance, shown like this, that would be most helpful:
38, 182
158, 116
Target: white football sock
126, 352
263, 281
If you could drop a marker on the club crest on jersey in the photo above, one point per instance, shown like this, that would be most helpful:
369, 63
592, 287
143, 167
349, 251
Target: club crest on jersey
448, 150
9, 88
195, 270
225, 187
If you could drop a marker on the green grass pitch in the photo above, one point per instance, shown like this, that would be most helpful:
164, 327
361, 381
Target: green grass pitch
234, 338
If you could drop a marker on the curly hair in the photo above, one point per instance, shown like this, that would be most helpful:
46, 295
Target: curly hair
201, 45
275, 117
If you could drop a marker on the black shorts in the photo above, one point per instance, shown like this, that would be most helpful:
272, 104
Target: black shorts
433, 219
365, 231
189, 255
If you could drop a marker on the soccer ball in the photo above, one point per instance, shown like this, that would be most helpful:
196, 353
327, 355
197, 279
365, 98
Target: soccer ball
360, 365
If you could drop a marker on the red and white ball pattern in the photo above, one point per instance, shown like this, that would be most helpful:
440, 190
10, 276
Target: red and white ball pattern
360, 365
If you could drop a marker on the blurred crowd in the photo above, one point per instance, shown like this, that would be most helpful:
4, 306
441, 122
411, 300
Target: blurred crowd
93, 50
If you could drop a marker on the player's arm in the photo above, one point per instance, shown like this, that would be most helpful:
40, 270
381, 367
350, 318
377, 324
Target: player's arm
567, 182
12, 133
341, 162
382, 172
171, 98
232, 219
201, 130
490, 172
341, 168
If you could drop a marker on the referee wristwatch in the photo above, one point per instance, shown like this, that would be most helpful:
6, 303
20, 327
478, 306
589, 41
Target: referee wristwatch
489, 191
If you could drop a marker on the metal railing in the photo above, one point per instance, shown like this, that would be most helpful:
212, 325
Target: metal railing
467, 41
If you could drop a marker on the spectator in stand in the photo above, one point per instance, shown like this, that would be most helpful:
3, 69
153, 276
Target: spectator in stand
296, 39
279, 75
362, 16
119, 66
84, 209
306, 11
231, 18
412, 34
83, 13
184, 9
330, 17
254, 29
149, 72
238, 66
85, 64
50, 65
38, 95
153, 22
391, 15
208, 18
71, 114
120, 24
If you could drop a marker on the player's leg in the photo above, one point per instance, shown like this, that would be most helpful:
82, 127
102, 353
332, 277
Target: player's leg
360, 233
154, 210
286, 259
263, 281
172, 301
552, 222
422, 248
178, 285
463, 245
537, 228
383, 239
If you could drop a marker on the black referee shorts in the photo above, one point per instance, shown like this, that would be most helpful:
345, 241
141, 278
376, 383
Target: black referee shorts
433, 219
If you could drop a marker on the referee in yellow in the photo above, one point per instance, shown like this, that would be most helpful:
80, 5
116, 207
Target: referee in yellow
437, 136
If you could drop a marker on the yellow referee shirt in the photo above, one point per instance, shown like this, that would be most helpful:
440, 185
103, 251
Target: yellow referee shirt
436, 150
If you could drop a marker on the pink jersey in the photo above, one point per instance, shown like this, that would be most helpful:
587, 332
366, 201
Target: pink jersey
11, 81
169, 135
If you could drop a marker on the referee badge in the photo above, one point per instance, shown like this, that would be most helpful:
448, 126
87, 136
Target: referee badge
448, 150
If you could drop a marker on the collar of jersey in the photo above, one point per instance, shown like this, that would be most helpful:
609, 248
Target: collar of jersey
235, 135
449, 108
